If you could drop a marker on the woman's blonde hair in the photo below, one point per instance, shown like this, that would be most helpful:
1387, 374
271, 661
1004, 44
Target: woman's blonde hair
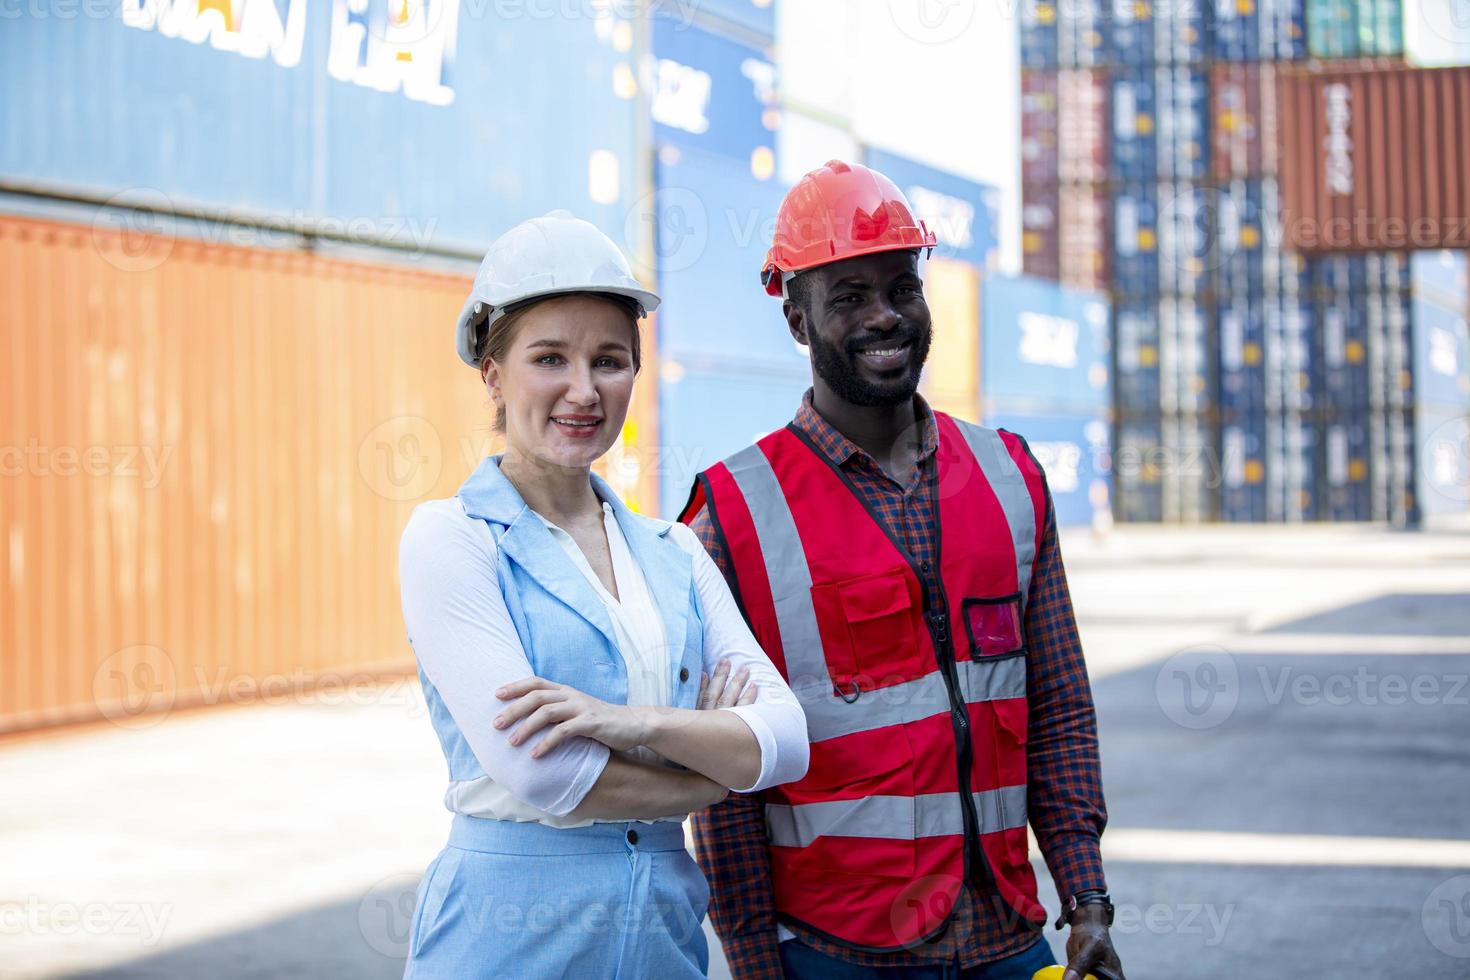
492, 344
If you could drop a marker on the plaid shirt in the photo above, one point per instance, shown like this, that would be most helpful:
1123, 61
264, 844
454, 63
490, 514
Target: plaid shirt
1064, 781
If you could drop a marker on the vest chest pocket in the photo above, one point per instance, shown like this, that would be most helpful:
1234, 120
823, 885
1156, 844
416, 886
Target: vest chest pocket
870, 631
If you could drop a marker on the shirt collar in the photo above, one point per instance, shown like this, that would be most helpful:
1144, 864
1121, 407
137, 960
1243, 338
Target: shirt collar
840, 449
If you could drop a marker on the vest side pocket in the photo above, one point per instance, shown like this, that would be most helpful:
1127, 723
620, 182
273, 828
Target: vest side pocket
868, 630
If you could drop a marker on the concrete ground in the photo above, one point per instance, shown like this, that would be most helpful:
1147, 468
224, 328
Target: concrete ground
1285, 719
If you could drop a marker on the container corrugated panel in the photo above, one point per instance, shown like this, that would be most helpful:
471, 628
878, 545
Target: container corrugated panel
1184, 358
208, 458
714, 95
1242, 239
1243, 104
1040, 154
1376, 160
1189, 245
1332, 28
1135, 134
1442, 440
1243, 468
1038, 34
1073, 452
1241, 330
1291, 468
1283, 30
1191, 478
1136, 345
960, 212
1183, 114
1237, 30
1083, 232
282, 116
1082, 121
1293, 375
1391, 468
1131, 33
1139, 462
706, 416
1440, 303
1343, 353
710, 248
1183, 31
1045, 347
951, 375
1135, 238
1040, 235
1082, 33
1343, 476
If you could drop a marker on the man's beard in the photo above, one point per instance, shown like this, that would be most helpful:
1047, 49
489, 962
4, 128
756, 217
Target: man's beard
839, 369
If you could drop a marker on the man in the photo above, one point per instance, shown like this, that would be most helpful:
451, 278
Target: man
901, 569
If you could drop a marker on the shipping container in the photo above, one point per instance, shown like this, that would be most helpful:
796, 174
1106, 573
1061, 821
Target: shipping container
1135, 238
1291, 468
1183, 31
1442, 484
1136, 381
209, 441
1241, 330
1237, 31
951, 375
1040, 235
1441, 365
328, 117
1038, 34
1241, 239
1343, 474
1243, 114
1188, 240
715, 95
1138, 467
1392, 467
1183, 114
1190, 477
1082, 126
710, 234
1131, 33
1082, 33
1243, 468
1135, 145
1376, 160
1436, 34
1083, 236
1185, 370
1292, 371
1343, 354
960, 212
1283, 30
1044, 348
705, 416
1040, 154
1074, 454
755, 18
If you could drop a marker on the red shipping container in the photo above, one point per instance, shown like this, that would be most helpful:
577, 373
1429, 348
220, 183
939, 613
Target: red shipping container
1376, 159
1039, 127
1083, 213
1082, 126
1040, 246
1243, 119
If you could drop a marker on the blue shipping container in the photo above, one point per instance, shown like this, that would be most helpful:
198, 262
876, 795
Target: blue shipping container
1441, 355
400, 129
1283, 30
1082, 33
960, 212
1073, 452
710, 241
1182, 31
706, 416
1135, 235
1440, 274
1343, 354
1346, 492
1182, 115
1135, 136
1237, 30
1243, 468
1044, 347
1442, 447
1241, 330
1136, 342
1189, 247
1139, 463
714, 95
755, 16
1038, 34
1184, 357
1131, 33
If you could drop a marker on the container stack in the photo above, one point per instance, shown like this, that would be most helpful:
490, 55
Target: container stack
1250, 382
1441, 373
1044, 370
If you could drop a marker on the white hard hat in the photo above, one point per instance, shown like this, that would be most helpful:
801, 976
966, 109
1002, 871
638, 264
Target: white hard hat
555, 253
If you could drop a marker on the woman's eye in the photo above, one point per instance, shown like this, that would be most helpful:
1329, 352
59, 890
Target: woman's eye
611, 363
548, 359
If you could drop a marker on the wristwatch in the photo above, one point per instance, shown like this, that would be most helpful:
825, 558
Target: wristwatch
1088, 896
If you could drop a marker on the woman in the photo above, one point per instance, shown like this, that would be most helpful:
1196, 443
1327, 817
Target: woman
566, 647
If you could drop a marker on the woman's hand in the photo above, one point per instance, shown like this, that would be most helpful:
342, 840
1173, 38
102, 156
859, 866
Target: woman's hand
724, 691
570, 713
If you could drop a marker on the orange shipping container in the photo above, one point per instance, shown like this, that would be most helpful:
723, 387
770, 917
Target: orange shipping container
207, 455
1376, 159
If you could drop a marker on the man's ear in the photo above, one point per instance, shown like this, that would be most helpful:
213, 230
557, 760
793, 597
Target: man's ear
796, 321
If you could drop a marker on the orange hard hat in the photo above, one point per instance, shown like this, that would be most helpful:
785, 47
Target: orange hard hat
838, 211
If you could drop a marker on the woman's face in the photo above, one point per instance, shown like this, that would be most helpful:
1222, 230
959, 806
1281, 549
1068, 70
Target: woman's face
565, 380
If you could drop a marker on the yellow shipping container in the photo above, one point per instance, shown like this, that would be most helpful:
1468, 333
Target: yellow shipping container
951, 376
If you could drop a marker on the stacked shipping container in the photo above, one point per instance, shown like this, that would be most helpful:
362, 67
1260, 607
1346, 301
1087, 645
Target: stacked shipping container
1251, 383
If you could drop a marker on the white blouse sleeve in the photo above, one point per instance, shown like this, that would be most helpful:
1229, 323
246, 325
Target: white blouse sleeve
776, 717
464, 639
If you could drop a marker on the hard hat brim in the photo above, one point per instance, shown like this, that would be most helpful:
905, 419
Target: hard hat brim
465, 327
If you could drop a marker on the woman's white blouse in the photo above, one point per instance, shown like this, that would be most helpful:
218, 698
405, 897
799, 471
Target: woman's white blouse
465, 642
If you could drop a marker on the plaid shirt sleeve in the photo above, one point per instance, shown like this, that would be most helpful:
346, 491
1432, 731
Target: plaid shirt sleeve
730, 844
1064, 774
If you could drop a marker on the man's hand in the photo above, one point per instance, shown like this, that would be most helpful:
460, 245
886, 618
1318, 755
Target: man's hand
1090, 945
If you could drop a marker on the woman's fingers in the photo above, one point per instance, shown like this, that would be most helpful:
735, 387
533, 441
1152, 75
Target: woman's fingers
524, 686
748, 695
731, 694
716, 688
525, 704
540, 718
559, 733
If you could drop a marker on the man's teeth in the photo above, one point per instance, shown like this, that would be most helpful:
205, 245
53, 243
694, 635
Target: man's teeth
884, 352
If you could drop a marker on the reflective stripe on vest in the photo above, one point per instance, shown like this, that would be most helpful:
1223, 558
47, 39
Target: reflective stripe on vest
893, 817
828, 715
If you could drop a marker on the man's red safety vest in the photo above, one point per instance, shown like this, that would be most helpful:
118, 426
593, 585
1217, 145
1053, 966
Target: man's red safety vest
916, 713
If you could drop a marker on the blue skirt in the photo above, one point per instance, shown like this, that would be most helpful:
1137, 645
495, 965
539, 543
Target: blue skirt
508, 899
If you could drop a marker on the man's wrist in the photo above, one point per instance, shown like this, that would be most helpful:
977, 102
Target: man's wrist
1092, 905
